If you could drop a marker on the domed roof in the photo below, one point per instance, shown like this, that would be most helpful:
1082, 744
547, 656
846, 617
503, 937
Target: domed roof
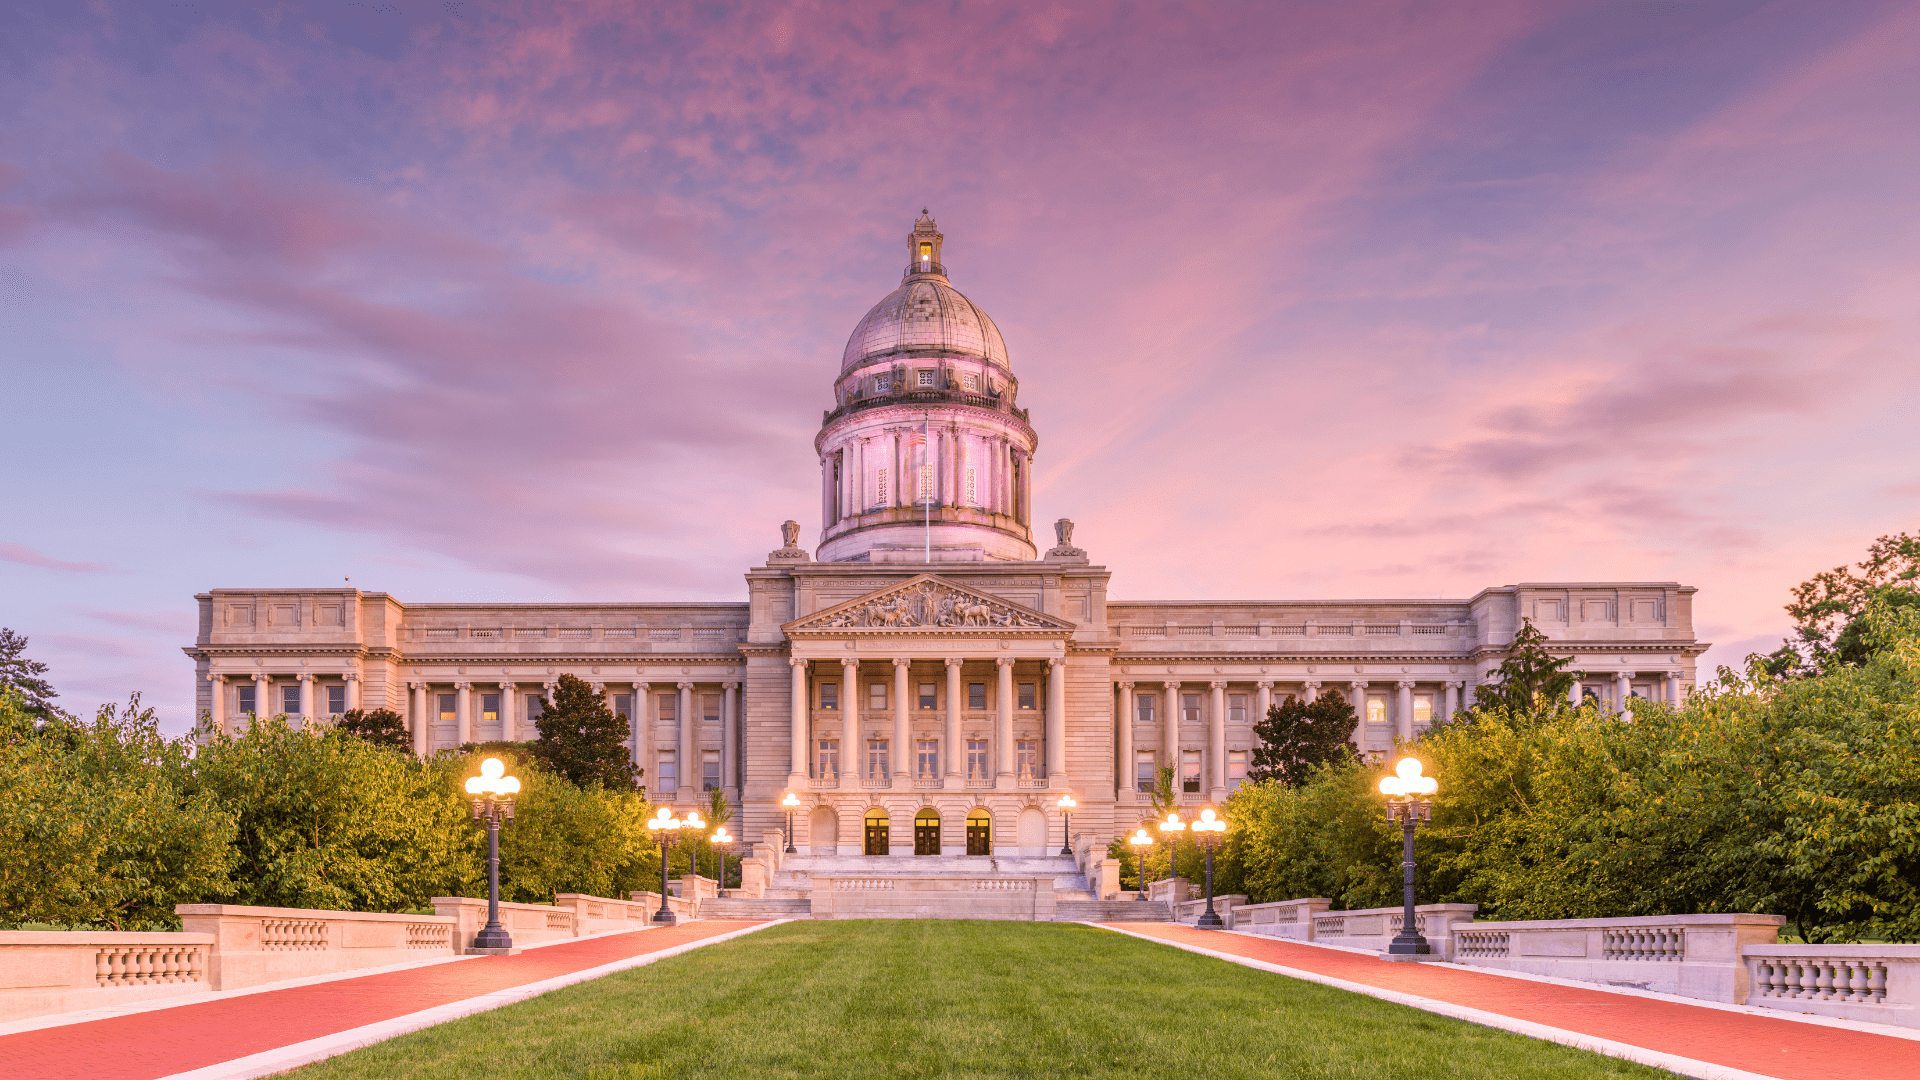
925, 314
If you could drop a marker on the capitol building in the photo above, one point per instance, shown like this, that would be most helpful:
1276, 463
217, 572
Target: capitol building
927, 679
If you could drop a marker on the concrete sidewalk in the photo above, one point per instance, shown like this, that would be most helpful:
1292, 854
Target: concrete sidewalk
1694, 1039
208, 1034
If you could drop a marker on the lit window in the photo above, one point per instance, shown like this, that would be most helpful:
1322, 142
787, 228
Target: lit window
1190, 771
977, 767
926, 761
447, 707
336, 700
929, 695
876, 695
829, 696
924, 377
976, 695
1423, 710
827, 760
1029, 695
709, 770
926, 255
490, 708
1237, 708
1026, 757
1144, 771
244, 699
877, 766
669, 774
1376, 710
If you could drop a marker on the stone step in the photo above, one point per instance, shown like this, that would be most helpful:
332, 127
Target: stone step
1112, 911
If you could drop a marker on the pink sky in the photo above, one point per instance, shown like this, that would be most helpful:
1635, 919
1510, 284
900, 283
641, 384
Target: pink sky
1308, 300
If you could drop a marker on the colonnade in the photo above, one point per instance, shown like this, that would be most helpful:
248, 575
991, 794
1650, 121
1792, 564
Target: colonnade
264, 684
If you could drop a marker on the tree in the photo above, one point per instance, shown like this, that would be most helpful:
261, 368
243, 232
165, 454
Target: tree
1529, 679
381, 727
582, 739
1295, 737
1829, 608
24, 677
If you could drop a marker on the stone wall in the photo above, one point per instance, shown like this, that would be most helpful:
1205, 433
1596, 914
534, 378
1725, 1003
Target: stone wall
52, 971
254, 945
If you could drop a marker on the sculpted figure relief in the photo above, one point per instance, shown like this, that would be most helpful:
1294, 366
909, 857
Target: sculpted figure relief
931, 605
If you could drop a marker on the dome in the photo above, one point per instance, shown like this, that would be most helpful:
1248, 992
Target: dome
925, 315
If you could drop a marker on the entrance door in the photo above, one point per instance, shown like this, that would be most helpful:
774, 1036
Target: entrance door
876, 832
926, 833
979, 833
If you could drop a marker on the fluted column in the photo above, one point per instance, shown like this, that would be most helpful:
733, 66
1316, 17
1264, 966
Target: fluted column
797, 735
730, 737
902, 726
1170, 735
952, 754
1123, 743
1452, 704
1217, 740
1056, 724
1622, 690
688, 746
462, 713
1403, 710
421, 732
217, 703
1310, 692
1262, 702
1003, 724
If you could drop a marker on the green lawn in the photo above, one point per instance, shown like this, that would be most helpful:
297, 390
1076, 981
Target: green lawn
958, 999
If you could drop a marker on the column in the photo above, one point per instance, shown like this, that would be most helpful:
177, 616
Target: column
263, 695
1403, 710
1264, 701
462, 713
1310, 692
1056, 724
730, 736
306, 697
687, 749
352, 679
952, 753
1467, 694
419, 717
1622, 690
849, 721
509, 718
902, 727
1217, 740
217, 703
1123, 742
797, 734
1673, 688
1357, 694
640, 733
1452, 704
1170, 735
1003, 725
1574, 696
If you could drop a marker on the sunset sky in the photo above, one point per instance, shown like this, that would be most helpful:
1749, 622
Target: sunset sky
1309, 300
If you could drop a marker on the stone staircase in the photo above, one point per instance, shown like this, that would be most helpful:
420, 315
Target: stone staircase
749, 907
936, 885
1112, 911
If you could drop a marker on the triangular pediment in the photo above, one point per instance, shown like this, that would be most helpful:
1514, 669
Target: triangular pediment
929, 604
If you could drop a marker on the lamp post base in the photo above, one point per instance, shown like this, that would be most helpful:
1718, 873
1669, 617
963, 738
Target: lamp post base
493, 938
665, 918
1209, 921
1404, 947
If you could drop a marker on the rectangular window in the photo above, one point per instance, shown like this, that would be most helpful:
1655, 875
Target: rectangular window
926, 759
710, 708
623, 707
827, 760
977, 766
1422, 711
536, 707
924, 376
709, 770
244, 701
447, 709
973, 487
877, 765
829, 696
336, 700
1144, 771
290, 699
970, 381
976, 695
1029, 695
1236, 767
877, 696
1190, 708
490, 708
882, 383
1143, 705
1376, 709
669, 773
667, 706
880, 487
1190, 771
1026, 757
1237, 708
929, 695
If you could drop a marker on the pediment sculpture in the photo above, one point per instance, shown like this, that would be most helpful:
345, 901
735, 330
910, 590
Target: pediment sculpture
930, 604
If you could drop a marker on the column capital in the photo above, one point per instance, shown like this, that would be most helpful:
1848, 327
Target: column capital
1358, 684
731, 684
901, 661
1217, 684
598, 686
414, 684
305, 676
463, 686
1055, 661
1456, 684
1171, 684
1310, 684
1003, 661
954, 662
683, 686
1125, 684
796, 661
1264, 684
1405, 684
216, 677
261, 676
350, 676
849, 661
507, 685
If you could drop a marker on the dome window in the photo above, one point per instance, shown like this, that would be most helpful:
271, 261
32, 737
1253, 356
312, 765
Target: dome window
926, 256
926, 377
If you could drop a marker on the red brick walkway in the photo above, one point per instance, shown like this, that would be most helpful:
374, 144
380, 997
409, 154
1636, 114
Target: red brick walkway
1760, 1044
166, 1041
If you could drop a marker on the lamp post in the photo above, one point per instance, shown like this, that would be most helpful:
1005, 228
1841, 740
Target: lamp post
491, 795
1409, 802
666, 829
1141, 842
1170, 831
1066, 805
721, 841
1208, 829
791, 802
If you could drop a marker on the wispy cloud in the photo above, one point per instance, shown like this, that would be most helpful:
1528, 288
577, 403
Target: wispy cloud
21, 555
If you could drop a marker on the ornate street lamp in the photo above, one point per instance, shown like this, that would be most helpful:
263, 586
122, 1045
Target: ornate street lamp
491, 794
721, 841
1170, 831
1066, 805
1208, 830
1409, 802
791, 802
666, 829
1141, 842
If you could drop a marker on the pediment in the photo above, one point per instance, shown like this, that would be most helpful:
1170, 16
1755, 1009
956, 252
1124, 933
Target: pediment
929, 604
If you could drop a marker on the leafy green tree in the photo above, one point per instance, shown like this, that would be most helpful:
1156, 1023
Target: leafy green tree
581, 738
564, 838
381, 727
100, 827
1829, 608
1296, 737
26, 677
1529, 680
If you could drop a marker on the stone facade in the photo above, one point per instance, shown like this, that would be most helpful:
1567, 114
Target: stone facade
923, 663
